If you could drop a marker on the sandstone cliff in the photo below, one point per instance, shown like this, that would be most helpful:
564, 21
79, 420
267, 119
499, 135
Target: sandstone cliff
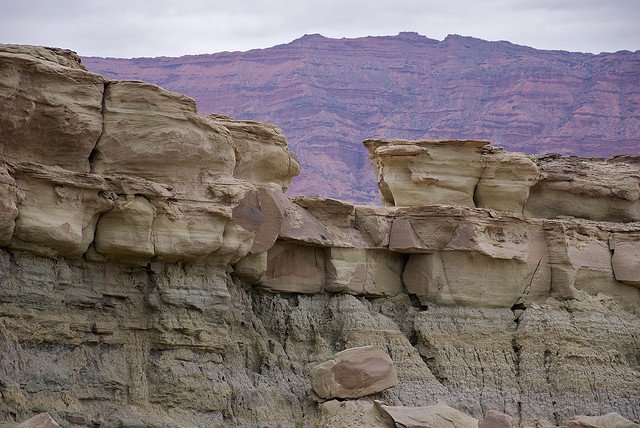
153, 272
330, 94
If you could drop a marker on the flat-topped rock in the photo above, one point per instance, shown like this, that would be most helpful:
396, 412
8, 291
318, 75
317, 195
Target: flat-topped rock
459, 172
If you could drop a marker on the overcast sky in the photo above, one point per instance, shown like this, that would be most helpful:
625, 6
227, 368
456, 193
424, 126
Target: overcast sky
132, 28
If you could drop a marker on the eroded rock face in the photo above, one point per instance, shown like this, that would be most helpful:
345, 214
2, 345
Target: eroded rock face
123, 170
169, 281
464, 173
353, 373
436, 415
597, 189
474, 174
610, 420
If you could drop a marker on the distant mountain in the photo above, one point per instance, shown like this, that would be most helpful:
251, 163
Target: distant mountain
330, 94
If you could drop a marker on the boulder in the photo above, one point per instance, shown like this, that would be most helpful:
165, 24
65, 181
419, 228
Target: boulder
433, 416
42, 420
610, 420
495, 419
353, 373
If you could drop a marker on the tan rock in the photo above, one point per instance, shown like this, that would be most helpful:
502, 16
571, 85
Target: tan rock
370, 272
43, 420
46, 103
375, 223
464, 173
58, 214
610, 420
433, 416
495, 419
251, 268
329, 211
294, 268
10, 197
125, 233
580, 259
505, 181
471, 258
157, 135
626, 257
349, 414
261, 150
595, 189
184, 230
354, 372
418, 173
470, 351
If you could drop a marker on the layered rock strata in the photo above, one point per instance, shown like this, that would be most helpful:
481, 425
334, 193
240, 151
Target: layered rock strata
154, 273
474, 174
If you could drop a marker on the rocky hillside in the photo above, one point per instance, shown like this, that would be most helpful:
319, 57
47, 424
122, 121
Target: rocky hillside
154, 274
328, 95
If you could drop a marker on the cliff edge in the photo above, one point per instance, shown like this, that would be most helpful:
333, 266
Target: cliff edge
154, 273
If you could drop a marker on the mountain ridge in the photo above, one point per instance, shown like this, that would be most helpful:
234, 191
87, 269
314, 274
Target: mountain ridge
329, 94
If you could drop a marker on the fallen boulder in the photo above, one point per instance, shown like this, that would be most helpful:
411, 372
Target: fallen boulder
353, 373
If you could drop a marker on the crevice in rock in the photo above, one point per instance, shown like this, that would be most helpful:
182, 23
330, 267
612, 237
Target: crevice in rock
475, 188
516, 308
433, 367
95, 152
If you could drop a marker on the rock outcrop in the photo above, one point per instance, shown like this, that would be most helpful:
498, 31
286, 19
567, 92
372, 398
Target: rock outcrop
474, 174
154, 273
330, 94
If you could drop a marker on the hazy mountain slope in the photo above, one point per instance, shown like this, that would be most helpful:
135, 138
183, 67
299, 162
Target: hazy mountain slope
330, 94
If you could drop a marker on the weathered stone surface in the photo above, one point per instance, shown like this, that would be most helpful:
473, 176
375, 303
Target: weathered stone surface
610, 420
519, 363
251, 268
349, 413
58, 213
467, 173
294, 269
470, 352
471, 258
580, 259
43, 420
261, 211
564, 360
370, 272
261, 152
353, 373
596, 189
10, 198
433, 416
495, 419
415, 173
124, 296
626, 257
157, 135
51, 107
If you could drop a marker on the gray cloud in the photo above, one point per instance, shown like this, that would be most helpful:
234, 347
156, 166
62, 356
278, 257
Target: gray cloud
153, 28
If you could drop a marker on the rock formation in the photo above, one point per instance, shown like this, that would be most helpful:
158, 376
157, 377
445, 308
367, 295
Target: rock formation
153, 272
330, 94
